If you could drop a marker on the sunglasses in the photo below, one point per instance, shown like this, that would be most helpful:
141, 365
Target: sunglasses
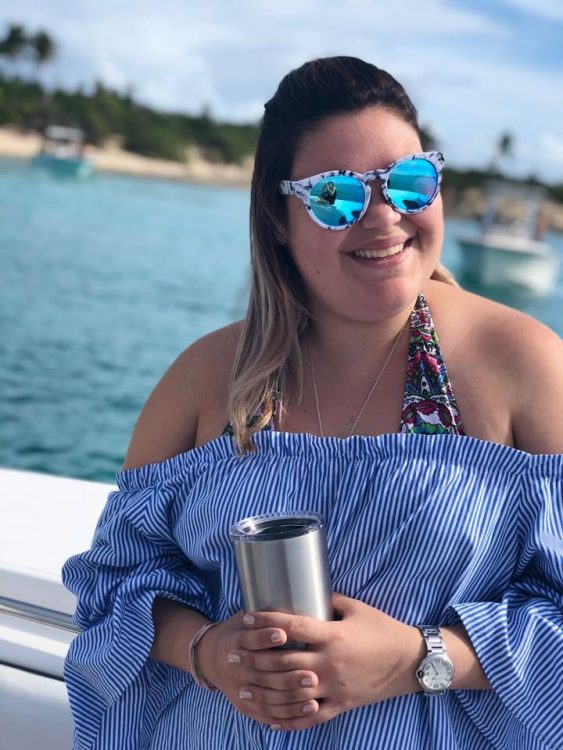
338, 199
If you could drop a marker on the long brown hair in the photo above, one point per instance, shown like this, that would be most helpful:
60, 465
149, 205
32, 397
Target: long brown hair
268, 365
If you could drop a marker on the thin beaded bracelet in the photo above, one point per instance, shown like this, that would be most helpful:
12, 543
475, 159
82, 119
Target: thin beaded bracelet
192, 657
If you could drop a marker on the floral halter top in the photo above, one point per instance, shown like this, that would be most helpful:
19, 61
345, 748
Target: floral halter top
429, 405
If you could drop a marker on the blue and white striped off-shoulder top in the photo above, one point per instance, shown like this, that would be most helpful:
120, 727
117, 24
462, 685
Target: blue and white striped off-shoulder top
430, 529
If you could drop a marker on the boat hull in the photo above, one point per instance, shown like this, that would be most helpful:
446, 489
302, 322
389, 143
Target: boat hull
492, 262
65, 166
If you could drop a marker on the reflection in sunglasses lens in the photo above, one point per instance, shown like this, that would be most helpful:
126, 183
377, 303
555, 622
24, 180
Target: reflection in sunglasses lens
412, 184
337, 201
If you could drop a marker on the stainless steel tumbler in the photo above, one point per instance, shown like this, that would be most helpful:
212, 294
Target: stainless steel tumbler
282, 564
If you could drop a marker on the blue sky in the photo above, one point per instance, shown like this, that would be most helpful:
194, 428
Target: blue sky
475, 69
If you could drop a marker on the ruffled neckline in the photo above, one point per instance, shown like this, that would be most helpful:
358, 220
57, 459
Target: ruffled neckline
271, 445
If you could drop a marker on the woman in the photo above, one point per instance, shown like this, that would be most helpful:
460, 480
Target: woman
441, 534
328, 193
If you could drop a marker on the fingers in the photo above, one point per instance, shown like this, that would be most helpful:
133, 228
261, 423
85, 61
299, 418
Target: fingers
276, 686
262, 638
282, 681
273, 660
279, 694
278, 697
285, 670
295, 627
325, 712
275, 714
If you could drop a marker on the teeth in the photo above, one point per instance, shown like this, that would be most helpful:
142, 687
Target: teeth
379, 253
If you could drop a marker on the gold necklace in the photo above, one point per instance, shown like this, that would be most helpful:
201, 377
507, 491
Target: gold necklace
374, 386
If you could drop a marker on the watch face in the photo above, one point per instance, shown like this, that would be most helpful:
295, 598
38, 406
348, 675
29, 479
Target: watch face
436, 673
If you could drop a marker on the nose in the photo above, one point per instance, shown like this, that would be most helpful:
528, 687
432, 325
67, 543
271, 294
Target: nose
379, 214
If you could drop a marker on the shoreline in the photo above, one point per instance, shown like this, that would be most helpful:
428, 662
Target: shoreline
112, 158
200, 171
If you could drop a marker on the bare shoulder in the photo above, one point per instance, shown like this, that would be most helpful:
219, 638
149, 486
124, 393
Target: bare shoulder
486, 320
196, 382
518, 360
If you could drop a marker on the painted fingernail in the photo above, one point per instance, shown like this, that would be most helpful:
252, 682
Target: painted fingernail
248, 620
276, 637
307, 682
245, 695
275, 726
233, 657
308, 708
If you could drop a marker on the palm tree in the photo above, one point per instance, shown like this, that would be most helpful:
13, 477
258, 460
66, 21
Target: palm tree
505, 145
43, 49
14, 43
504, 148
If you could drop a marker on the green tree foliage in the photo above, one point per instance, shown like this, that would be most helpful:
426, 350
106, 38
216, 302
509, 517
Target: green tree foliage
18, 43
43, 47
14, 43
106, 112
149, 133
456, 182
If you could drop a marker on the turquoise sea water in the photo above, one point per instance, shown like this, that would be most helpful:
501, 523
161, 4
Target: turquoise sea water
103, 283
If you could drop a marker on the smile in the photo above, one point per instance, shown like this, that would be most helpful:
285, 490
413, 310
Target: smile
379, 253
383, 252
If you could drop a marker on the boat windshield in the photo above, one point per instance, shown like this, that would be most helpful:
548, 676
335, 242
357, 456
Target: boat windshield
512, 209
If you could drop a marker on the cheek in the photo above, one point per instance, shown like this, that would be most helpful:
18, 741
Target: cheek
430, 225
299, 223
310, 245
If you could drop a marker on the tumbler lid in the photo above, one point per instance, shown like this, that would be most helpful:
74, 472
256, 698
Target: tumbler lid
270, 526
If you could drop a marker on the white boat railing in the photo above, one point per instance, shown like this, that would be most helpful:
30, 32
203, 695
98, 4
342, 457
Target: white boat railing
44, 519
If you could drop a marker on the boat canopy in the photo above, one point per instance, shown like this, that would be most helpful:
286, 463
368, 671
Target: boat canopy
64, 134
512, 208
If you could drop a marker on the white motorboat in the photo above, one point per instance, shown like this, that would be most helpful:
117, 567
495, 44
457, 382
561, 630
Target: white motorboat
508, 250
62, 152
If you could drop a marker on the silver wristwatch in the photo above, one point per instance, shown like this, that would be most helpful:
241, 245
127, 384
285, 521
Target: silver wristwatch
436, 671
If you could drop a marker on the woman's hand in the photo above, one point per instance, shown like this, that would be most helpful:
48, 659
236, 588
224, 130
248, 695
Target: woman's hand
365, 657
228, 655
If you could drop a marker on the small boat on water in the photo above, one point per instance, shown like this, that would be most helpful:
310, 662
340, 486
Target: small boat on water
62, 152
508, 250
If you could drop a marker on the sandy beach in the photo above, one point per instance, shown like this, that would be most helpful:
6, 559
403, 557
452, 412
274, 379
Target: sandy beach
112, 158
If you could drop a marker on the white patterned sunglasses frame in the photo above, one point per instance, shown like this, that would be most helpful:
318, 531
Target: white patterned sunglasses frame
302, 188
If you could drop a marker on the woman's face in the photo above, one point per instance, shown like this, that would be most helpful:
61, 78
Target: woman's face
338, 282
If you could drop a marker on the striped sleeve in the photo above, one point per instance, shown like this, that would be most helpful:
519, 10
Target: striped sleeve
134, 558
519, 639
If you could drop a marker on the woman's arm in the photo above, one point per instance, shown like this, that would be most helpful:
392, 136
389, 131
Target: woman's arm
174, 627
168, 422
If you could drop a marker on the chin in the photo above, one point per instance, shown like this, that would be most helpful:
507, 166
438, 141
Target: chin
390, 298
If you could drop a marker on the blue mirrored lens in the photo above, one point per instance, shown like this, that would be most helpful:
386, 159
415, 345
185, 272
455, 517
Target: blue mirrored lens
412, 184
337, 201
